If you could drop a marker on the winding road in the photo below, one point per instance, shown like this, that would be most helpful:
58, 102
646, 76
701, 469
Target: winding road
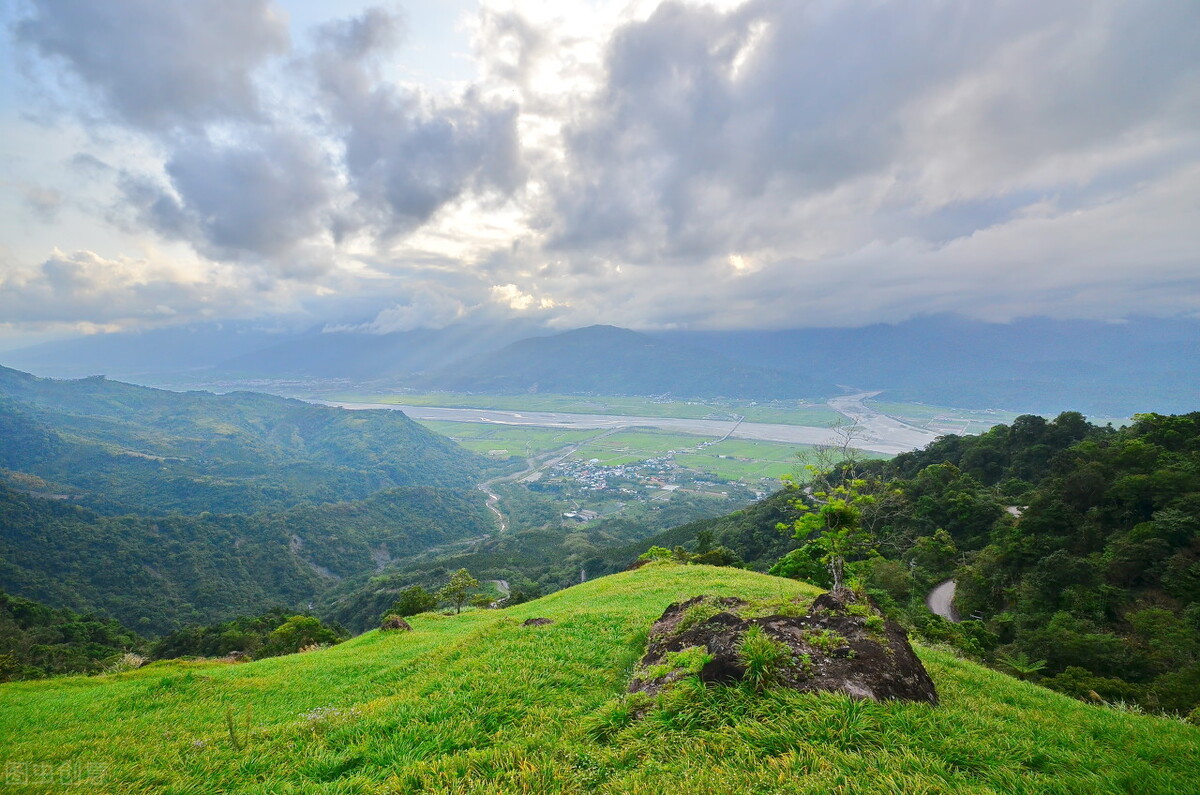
941, 601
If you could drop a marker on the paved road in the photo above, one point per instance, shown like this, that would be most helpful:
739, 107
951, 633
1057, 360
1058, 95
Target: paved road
941, 601
877, 432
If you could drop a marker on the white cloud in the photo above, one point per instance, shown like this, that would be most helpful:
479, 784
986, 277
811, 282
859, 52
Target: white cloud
91, 291
647, 164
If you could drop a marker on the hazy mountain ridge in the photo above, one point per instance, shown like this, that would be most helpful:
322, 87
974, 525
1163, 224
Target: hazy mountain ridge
1035, 364
610, 360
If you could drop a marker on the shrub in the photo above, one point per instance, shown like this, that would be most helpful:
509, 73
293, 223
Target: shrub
297, 633
761, 656
127, 661
413, 601
827, 640
697, 614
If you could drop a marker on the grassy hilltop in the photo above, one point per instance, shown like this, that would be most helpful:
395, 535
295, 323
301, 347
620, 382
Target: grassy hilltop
479, 703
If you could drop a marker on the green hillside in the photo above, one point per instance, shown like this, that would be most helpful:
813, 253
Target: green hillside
118, 448
156, 574
163, 508
480, 703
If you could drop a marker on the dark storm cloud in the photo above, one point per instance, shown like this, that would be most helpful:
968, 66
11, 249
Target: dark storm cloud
157, 63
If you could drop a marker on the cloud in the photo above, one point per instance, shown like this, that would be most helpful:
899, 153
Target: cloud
811, 129
264, 198
423, 309
407, 153
43, 201
511, 296
86, 288
655, 164
160, 63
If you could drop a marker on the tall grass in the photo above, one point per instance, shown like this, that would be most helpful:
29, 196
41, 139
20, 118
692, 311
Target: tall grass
479, 704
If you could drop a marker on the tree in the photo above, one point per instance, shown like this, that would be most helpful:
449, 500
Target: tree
297, 633
834, 526
413, 601
839, 512
458, 590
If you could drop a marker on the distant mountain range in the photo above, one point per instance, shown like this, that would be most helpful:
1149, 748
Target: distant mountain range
1037, 365
610, 360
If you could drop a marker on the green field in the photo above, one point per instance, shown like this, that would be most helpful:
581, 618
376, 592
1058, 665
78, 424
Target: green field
518, 441
478, 703
786, 412
636, 445
742, 460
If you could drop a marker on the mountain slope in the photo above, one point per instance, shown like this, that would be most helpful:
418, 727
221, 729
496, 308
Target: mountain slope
371, 357
126, 447
1032, 364
156, 574
478, 703
162, 508
610, 360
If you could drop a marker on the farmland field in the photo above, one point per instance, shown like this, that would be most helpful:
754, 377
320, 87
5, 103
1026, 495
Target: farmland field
521, 441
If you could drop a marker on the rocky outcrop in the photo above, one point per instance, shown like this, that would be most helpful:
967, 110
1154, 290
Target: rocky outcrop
841, 643
394, 622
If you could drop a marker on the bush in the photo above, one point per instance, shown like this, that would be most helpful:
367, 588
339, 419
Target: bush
761, 656
298, 633
413, 600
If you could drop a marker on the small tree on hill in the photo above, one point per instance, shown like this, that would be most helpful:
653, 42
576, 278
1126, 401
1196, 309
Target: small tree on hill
840, 514
458, 590
834, 526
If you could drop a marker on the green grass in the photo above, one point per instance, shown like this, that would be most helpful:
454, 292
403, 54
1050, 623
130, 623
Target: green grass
787, 412
517, 440
638, 445
479, 704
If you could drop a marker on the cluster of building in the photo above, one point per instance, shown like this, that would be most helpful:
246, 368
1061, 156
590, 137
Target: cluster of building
591, 475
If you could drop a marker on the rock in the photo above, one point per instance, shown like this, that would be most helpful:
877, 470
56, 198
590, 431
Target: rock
537, 622
841, 644
393, 622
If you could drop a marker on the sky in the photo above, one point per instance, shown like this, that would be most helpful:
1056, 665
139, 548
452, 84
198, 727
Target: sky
654, 165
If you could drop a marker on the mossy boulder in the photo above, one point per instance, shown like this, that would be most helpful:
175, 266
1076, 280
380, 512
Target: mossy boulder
841, 643
394, 622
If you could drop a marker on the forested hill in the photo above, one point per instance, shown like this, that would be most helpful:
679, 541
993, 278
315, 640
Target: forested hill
1077, 544
162, 508
118, 447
